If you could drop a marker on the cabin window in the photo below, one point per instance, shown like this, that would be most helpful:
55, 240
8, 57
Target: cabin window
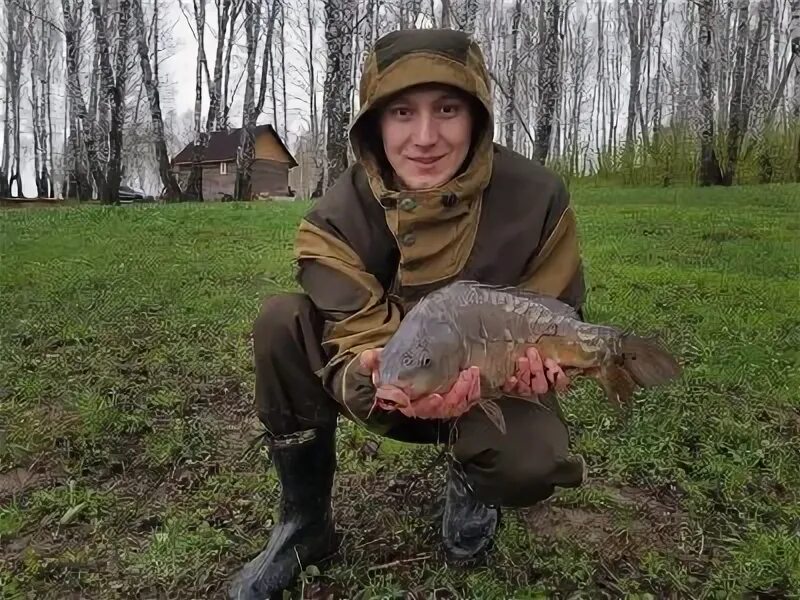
223, 168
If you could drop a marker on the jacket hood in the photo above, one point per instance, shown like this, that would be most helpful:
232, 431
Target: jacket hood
402, 59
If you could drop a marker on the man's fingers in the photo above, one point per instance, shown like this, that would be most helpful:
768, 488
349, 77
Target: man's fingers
370, 359
367, 360
427, 407
553, 370
475, 389
538, 378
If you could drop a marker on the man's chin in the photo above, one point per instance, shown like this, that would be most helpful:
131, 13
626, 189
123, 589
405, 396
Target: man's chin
425, 182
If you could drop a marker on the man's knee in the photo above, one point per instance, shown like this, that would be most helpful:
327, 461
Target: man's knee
523, 480
522, 466
279, 319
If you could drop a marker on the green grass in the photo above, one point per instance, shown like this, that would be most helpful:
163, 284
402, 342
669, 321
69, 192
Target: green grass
128, 466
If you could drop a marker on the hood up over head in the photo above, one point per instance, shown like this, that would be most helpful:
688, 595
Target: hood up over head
411, 57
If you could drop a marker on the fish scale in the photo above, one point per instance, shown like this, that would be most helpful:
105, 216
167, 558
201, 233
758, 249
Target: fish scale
467, 323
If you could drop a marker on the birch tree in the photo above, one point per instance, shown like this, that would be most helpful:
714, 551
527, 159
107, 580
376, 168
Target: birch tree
336, 105
114, 85
15, 54
168, 180
548, 84
246, 151
794, 36
709, 172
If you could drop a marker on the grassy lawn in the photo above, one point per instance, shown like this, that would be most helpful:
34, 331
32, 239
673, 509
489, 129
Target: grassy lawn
129, 462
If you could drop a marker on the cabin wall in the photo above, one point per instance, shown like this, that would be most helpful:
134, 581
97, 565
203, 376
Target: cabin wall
268, 148
215, 186
270, 178
267, 178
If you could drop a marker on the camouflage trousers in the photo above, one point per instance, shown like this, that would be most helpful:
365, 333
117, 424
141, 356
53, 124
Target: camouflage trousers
518, 468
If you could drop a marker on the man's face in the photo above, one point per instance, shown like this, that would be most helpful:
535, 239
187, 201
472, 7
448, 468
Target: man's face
426, 135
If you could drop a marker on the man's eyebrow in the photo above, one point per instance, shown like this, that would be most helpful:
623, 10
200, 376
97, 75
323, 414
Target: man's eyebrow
451, 96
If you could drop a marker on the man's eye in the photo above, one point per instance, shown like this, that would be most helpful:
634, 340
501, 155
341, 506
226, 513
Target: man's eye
450, 109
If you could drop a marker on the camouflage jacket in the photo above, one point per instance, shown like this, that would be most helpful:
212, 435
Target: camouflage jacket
367, 251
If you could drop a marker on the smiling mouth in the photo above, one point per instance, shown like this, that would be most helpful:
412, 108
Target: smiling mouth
426, 160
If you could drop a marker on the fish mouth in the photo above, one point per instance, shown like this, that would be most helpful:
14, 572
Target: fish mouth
391, 396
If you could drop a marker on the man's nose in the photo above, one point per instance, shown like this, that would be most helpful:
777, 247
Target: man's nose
426, 132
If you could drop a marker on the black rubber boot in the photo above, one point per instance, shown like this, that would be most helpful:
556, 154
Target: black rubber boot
468, 525
304, 534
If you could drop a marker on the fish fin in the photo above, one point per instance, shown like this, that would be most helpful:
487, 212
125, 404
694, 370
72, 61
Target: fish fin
531, 399
647, 361
492, 410
617, 383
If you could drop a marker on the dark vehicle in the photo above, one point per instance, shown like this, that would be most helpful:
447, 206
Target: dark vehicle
129, 195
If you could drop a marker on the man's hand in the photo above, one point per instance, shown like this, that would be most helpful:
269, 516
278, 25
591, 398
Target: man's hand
535, 377
464, 393
458, 400
370, 360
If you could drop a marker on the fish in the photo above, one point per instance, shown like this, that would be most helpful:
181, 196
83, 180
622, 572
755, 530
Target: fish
468, 323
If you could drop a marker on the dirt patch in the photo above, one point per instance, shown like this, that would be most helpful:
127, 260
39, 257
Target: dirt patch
17, 480
639, 520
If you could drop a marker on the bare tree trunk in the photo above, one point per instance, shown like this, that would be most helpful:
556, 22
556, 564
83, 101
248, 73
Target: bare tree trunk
600, 124
78, 184
168, 180
513, 67
709, 173
657, 108
71, 34
114, 84
5, 189
194, 187
213, 119
267, 57
48, 35
635, 41
312, 100
283, 70
737, 125
222, 118
470, 15
794, 37
246, 151
757, 95
446, 12
338, 38
549, 19
14, 57
37, 105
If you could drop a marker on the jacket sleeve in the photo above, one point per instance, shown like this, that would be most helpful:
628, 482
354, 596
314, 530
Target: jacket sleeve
556, 267
357, 310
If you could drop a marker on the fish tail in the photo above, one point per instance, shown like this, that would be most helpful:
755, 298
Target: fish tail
647, 362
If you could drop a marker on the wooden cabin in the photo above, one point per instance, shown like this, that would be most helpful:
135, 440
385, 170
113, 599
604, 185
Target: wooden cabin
270, 174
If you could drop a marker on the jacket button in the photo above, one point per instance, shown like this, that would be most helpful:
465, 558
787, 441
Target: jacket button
408, 204
408, 239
